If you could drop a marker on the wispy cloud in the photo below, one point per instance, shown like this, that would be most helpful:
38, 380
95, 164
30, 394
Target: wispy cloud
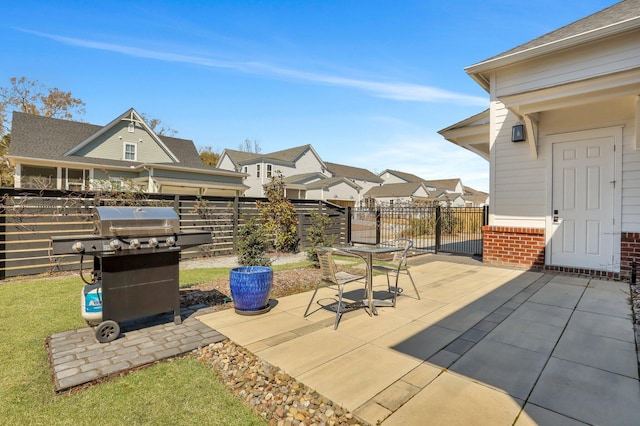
389, 90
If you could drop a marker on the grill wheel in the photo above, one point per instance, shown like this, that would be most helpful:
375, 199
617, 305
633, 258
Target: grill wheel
107, 331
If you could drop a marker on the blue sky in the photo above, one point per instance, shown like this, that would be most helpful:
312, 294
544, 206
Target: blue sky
367, 83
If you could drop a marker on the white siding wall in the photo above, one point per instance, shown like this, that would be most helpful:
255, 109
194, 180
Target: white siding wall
227, 164
340, 191
391, 178
520, 187
519, 191
309, 163
591, 60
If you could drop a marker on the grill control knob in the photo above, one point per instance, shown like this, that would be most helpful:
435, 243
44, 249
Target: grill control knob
134, 243
171, 241
115, 244
153, 242
78, 247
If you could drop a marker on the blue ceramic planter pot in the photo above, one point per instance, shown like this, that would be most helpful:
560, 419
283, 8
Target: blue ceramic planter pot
250, 287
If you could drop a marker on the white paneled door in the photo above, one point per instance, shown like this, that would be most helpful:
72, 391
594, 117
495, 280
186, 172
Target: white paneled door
583, 195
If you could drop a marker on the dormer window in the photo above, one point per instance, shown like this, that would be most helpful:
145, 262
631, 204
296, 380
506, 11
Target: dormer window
130, 151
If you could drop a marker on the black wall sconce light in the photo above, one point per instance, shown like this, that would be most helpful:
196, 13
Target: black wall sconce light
517, 133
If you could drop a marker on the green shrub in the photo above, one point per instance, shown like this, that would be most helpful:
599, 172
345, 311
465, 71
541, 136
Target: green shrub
253, 245
279, 215
317, 235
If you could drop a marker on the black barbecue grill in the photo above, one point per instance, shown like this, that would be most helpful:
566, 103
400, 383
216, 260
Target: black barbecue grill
136, 253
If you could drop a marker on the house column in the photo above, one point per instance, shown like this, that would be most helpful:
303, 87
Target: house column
17, 176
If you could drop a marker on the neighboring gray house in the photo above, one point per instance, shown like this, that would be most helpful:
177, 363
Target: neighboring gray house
362, 177
562, 135
306, 176
397, 194
450, 192
70, 155
259, 168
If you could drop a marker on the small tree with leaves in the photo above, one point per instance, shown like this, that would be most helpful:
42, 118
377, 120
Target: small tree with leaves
209, 156
252, 245
317, 235
278, 215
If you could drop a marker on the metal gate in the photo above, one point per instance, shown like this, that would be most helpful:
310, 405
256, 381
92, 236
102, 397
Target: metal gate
432, 228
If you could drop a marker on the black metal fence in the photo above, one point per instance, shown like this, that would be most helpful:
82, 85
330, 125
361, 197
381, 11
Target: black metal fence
432, 228
28, 218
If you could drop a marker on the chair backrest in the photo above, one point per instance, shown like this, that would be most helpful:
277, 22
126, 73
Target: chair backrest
327, 265
400, 257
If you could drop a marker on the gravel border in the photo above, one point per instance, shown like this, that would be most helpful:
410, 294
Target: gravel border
277, 397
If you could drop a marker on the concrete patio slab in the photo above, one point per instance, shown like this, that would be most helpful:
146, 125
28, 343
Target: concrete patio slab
454, 400
559, 294
599, 301
244, 331
361, 327
504, 367
545, 314
602, 325
615, 356
417, 340
533, 336
587, 394
310, 350
481, 344
533, 416
359, 375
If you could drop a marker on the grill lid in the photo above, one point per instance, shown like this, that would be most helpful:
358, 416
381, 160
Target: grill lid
136, 221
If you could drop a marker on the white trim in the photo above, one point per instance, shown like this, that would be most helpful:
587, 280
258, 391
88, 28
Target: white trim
124, 151
476, 70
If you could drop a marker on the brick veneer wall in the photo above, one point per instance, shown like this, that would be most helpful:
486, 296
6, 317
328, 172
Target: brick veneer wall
518, 247
629, 253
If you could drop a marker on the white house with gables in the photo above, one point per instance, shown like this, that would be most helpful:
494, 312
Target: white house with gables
562, 137
69, 155
400, 187
305, 175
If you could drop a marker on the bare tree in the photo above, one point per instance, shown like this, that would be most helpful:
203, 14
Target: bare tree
158, 127
250, 146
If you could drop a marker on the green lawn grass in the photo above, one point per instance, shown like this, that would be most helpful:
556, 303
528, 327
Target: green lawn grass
182, 391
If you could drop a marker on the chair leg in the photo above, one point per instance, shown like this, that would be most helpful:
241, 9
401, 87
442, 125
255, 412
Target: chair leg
338, 312
414, 284
395, 290
313, 296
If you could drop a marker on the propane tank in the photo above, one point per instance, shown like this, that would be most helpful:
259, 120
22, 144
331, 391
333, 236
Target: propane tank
91, 301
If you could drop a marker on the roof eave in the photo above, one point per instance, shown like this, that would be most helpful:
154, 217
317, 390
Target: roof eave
475, 71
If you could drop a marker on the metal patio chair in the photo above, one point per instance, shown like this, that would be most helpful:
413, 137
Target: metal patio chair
398, 265
331, 276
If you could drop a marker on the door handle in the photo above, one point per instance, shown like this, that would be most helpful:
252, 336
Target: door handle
555, 216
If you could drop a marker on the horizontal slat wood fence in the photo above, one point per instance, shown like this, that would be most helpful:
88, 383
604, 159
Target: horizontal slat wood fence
28, 218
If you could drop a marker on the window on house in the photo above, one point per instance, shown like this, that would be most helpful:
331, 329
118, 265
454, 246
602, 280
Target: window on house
268, 170
258, 170
130, 151
75, 179
38, 177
